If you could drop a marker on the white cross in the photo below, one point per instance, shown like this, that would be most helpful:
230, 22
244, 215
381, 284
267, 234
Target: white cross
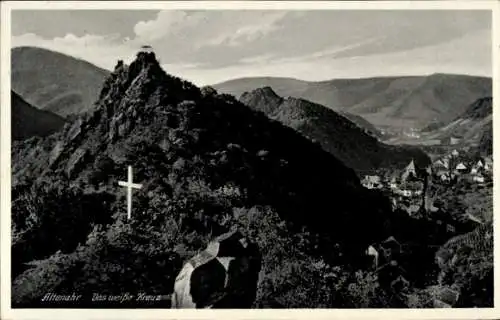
129, 186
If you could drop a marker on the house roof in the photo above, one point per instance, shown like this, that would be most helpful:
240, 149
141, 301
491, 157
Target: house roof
414, 208
410, 166
391, 239
372, 178
461, 166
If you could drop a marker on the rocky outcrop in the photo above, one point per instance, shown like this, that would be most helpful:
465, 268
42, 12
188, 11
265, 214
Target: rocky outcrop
334, 132
224, 275
157, 122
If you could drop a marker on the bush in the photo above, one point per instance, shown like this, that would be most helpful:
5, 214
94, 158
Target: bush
53, 216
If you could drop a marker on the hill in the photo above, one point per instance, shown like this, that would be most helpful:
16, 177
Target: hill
353, 145
55, 82
205, 162
28, 121
363, 123
399, 102
472, 129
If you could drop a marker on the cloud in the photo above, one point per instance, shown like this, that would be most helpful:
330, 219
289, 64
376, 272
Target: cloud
165, 23
215, 45
258, 25
101, 50
470, 54
221, 27
210, 37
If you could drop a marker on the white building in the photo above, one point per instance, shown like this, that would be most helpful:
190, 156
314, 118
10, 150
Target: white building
372, 182
478, 178
461, 167
454, 141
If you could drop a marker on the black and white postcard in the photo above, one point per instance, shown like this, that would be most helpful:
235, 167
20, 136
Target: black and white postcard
281, 156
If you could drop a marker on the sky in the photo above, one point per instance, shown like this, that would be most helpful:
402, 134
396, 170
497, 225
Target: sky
211, 46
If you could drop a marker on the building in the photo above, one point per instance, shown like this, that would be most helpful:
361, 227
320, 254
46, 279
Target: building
446, 163
454, 141
477, 167
461, 167
411, 188
438, 163
429, 205
488, 164
478, 178
372, 182
479, 164
409, 172
373, 253
391, 247
393, 183
445, 177
450, 228
405, 193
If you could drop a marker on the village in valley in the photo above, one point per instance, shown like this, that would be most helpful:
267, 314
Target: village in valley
408, 188
416, 192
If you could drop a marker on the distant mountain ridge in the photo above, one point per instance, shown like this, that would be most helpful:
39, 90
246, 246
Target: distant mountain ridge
383, 101
55, 82
350, 143
28, 121
472, 129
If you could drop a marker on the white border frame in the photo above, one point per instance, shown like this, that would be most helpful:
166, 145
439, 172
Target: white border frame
5, 173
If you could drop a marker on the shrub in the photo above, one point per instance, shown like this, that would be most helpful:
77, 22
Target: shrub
54, 216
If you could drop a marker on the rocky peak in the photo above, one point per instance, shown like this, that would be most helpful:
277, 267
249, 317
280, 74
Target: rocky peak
266, 92
134, 82
263, 99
